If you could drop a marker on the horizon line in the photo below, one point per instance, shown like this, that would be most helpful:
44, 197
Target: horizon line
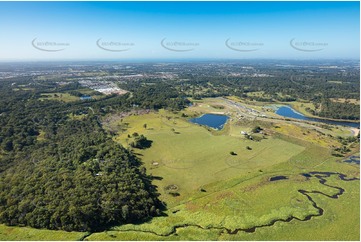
175, 59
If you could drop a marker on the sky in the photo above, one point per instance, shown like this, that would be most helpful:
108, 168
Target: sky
179, 30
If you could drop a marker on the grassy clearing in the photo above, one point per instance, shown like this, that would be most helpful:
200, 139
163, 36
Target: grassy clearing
123, 236
191, 149
64, 97
23, 88
334, 81
344, 100
41, 136
337, 223
25, 233
190, 233
258, 94
254, 202
301, 107
208, 105
220, 190
317, 138
343, 131
77, 117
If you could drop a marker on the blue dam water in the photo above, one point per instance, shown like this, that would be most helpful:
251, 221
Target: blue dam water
288, 112
353, 159
215, 121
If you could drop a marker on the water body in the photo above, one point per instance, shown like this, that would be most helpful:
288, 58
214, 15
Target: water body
306, 175
215, 121
86, 98
353, 159
288, 112
277, 178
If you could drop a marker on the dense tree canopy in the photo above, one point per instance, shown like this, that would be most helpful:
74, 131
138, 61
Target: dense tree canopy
63, 173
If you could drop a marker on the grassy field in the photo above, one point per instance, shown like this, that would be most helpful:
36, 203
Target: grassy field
193, 149
250, 201
343, 100
218, 191
25, 233
301, 107
312, 136
64, 97
215, 193
41, 136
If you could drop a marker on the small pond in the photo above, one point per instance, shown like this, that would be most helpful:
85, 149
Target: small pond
277, 178
288, 112
353, 159
86, 98
215, 121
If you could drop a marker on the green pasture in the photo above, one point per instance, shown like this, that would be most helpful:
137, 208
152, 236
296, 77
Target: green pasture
218, 190
65, 97
190, 156
26, 233
247, 202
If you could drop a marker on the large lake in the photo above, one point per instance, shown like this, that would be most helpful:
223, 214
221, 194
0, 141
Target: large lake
215, 121
288, 112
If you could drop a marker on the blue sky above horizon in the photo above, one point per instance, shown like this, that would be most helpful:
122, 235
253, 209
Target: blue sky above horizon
285, 30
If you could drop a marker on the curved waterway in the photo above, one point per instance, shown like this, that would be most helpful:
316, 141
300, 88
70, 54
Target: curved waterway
289, 112
322, 178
